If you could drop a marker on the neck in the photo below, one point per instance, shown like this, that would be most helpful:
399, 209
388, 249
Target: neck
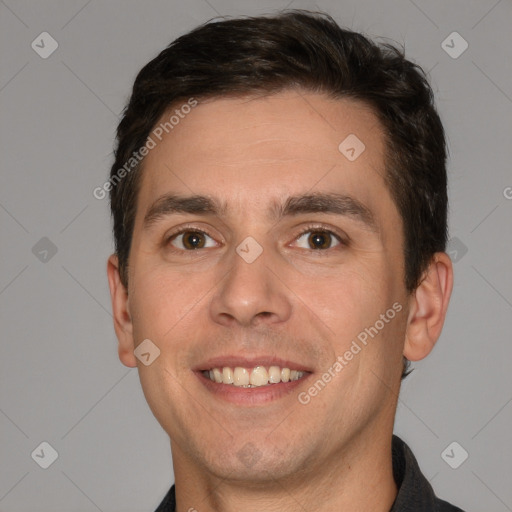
358, 477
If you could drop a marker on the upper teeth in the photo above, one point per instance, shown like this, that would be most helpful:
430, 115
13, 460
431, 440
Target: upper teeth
252, 377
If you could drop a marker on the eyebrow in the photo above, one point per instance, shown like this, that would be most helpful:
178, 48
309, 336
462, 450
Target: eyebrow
329, 203
196, 205
338, 204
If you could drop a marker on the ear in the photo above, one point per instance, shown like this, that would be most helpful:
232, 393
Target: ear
427, 308
121, 309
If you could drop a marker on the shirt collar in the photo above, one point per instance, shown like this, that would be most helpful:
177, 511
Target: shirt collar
414, 491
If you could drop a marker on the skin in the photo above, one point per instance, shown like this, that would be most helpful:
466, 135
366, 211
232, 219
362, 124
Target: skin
295, 302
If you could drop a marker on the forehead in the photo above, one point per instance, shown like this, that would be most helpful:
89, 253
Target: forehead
252, 151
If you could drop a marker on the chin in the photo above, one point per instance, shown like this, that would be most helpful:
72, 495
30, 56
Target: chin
254, 462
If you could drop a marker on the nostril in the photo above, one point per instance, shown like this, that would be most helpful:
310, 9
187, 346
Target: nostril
264, 315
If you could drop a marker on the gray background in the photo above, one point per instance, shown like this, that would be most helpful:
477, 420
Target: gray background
60, 378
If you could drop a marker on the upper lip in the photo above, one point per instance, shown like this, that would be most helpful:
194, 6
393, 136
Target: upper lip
249, 362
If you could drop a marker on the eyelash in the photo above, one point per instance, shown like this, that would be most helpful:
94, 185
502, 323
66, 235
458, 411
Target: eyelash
185, 229
343, 241
315, 228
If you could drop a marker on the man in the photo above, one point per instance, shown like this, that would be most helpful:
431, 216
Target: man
279, 204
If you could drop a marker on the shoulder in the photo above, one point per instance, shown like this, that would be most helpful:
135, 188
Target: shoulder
444, 506
168, 503
414, 491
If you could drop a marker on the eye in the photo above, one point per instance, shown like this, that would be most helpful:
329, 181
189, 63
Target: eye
190, 240
317, 239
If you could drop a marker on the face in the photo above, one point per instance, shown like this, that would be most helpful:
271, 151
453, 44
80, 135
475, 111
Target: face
261, 250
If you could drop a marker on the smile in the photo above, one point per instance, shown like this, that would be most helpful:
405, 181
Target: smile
257, 376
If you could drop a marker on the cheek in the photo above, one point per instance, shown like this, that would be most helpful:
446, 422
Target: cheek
348, 299
163, 300
352, 303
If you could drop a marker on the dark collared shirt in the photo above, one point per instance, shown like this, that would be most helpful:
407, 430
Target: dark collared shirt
415, 494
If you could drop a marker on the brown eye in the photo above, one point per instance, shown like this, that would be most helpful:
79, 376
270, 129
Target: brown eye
190, 240
193, 240
319, 240
315, 239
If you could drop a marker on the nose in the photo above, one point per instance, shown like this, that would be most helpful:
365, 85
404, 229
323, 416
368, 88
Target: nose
250, 294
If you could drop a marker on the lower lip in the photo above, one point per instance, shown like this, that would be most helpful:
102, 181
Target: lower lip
251, 396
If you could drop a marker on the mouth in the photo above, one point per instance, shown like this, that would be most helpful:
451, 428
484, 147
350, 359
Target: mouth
247, 382
252, 377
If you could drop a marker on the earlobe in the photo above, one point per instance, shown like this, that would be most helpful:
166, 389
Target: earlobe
428, 306
121, 313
